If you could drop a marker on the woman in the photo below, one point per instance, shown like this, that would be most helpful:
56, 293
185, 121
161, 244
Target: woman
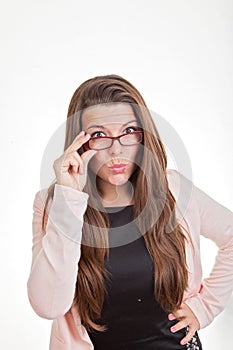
116, 260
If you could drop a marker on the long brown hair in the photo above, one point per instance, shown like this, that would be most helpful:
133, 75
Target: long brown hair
165, 239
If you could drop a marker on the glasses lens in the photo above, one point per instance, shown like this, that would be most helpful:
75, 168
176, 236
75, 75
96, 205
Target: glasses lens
131, 139
100, 143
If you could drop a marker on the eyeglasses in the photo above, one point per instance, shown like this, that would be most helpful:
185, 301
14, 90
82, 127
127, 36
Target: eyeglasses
102, 142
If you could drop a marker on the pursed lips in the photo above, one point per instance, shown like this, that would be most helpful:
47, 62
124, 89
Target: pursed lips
118, 165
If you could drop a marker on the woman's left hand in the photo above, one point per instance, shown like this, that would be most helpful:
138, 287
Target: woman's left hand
186, 318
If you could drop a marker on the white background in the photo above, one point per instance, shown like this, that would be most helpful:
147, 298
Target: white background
178, 54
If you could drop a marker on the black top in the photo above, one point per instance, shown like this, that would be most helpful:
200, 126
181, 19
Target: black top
134, 319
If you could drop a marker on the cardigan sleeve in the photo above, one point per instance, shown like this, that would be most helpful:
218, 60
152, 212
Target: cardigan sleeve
56, 253
216, 223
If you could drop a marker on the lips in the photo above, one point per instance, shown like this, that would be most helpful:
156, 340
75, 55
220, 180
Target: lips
118, 166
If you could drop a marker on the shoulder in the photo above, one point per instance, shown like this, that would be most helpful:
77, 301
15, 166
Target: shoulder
40, 198
183, 190
180, 185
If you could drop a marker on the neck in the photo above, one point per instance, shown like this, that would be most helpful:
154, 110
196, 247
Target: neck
116, 195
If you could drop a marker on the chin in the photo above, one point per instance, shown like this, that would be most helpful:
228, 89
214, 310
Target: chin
117, 180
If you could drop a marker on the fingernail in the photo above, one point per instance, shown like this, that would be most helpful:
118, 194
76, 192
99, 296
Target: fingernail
171, 317
173, 329
183, 342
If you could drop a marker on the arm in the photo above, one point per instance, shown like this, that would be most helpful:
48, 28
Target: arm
216, 223
55, 255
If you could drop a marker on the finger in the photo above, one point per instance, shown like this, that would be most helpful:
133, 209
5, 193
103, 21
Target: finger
74, 164
86, 157
180, 313
71, 159
73, 167
75, 161
178, 326
79, 160
171, 317
79, 140
176, 316
191, 332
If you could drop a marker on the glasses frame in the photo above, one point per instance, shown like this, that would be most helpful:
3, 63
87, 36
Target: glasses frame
87, 146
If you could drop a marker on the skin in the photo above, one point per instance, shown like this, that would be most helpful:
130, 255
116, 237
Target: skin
115, 189
186, 318
71, 170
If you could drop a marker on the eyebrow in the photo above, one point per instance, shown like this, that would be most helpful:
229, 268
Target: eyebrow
101, 126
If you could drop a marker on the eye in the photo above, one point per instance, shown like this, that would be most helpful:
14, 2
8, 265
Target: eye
96, 132
131, 127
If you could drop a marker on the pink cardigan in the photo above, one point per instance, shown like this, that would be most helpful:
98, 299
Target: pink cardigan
55, 257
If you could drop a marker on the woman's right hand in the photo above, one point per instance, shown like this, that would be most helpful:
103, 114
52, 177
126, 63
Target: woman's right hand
71, 168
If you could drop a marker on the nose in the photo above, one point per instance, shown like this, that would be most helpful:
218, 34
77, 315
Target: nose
116, 147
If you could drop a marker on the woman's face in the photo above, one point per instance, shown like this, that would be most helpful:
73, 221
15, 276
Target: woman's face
112, 120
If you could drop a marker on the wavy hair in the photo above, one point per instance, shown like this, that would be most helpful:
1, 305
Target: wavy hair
164, 239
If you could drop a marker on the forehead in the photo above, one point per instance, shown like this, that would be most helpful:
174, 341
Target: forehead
107, 114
